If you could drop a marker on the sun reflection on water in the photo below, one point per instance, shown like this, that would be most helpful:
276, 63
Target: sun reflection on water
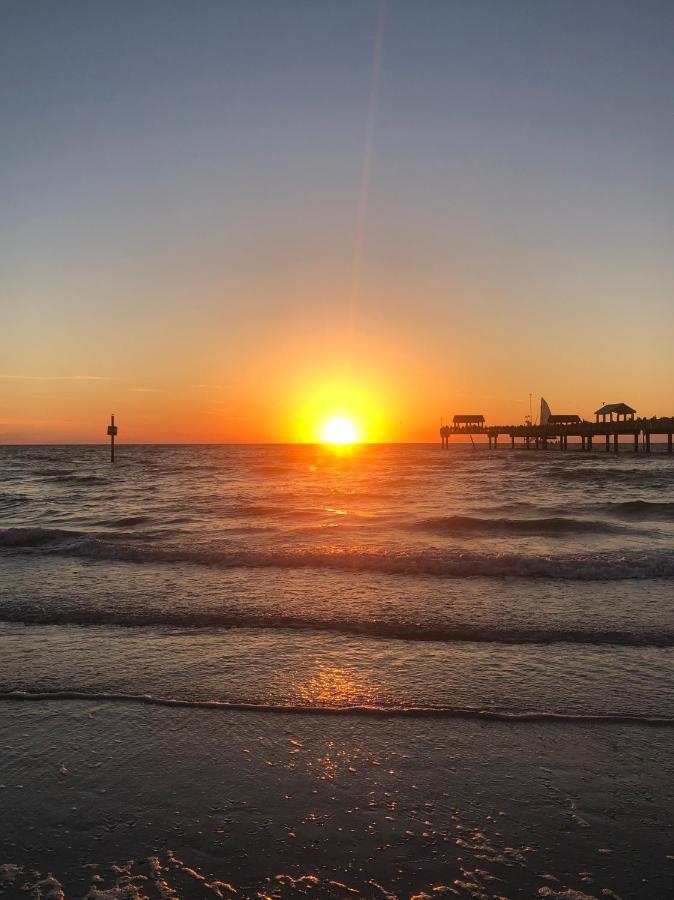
335, 686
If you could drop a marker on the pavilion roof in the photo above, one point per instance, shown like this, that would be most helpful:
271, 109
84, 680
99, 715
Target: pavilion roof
465, 420
561, 419
614, 408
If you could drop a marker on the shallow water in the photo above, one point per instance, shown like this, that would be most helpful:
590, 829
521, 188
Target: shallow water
519, 590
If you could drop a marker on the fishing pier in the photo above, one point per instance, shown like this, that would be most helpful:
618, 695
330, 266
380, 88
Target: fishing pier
555, 430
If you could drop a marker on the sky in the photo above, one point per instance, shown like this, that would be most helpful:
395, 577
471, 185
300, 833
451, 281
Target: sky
227, 221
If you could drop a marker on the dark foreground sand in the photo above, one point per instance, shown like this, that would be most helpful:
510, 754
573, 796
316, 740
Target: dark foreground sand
124, 801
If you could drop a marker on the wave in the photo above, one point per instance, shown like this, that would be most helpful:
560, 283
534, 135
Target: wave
640, 476
437, 562
642, 509
34, 537
444, 712
125, 522
252, 510
13, 499
525, 526
64, 539
74, 478
388, 629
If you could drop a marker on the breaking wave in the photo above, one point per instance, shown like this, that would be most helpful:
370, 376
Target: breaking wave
63, 539
642, 509
525, 526
391, 629
442, 712
34, 537
437, 562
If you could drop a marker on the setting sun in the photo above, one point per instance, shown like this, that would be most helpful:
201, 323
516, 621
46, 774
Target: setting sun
339, 430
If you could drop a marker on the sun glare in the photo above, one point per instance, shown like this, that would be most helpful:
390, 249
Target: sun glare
339, 430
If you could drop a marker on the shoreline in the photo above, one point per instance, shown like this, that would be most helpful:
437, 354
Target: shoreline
412, 712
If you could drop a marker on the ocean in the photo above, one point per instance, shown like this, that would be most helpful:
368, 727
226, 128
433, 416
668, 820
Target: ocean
385, 671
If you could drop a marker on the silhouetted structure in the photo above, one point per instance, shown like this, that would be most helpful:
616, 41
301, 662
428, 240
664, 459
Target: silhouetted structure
112, 431
445, 431
563, 419
561, 427
467, 422
620, 409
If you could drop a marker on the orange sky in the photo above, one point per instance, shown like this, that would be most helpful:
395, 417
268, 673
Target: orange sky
284, 390
220, 360
232, 223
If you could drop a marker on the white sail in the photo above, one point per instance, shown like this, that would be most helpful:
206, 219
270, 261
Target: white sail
545, 412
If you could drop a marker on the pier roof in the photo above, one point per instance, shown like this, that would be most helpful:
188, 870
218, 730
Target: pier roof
467, 420
615, 408
565, 419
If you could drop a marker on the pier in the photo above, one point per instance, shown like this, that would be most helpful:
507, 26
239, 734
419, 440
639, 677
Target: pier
556, 431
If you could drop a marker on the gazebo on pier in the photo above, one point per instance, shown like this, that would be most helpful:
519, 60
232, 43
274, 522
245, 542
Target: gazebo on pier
468, 422
564, 419
620, 409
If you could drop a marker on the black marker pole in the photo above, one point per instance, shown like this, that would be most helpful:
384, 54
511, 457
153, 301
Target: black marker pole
112, 431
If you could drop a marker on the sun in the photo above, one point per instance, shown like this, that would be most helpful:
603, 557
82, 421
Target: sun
339, 430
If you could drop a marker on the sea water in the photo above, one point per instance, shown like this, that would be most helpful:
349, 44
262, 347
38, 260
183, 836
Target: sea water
401, 588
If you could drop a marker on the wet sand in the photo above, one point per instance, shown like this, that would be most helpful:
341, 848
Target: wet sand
121, 800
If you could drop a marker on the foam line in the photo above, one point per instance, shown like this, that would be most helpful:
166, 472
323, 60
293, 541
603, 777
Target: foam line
438, 712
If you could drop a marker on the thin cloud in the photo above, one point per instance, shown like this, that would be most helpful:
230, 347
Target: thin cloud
26, 423
144, 390
225, 414
57, 377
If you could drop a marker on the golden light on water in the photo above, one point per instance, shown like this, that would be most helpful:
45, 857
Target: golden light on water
340, 431
334, 686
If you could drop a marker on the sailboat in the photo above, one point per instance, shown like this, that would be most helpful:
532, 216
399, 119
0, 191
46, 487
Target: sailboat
546, 412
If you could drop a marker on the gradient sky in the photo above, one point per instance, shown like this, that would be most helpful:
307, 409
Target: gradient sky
226, 220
